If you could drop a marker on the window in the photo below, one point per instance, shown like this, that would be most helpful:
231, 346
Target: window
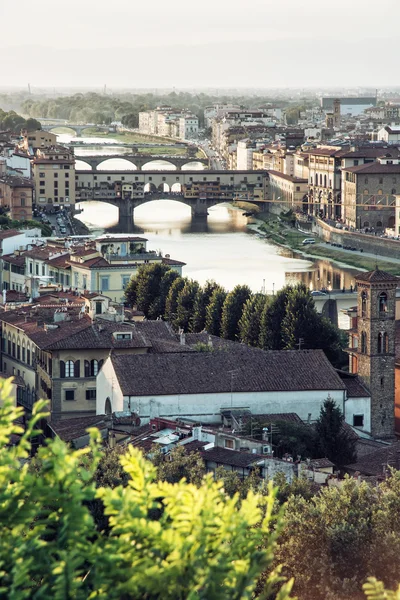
380, 179
382, 302
42, 191
22, 201
28, 357
364, 304
37, 269
84, 281
69, 368
99, 307
104, 284
69, 394
393, 190
229, 444
23, 354
123, 336
358, 420
125, 280
363, 343
41, 175
356, 163
43, 270
90, 394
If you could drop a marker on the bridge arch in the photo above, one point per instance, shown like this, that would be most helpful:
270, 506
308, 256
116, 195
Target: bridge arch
169, 203
81, 164
56, 128
162, 165
193, 164
116, 164
176, 188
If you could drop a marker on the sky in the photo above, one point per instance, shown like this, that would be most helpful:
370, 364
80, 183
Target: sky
212, 43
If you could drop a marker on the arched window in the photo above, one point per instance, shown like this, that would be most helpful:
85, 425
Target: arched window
94, 367
9, 344
23, 352
108, 408
379, 223
311, 180
87, 368
324, 180
364, 304
69, 368
366, 224
382, 302
101, 363
385, 343
18, 349
363, 343
380, 343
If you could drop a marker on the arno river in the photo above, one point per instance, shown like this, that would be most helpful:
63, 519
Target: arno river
224, 250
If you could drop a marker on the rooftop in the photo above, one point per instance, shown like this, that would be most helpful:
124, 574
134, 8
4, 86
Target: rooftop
376, 276
211, 372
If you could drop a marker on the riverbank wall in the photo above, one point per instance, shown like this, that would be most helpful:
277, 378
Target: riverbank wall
361, 241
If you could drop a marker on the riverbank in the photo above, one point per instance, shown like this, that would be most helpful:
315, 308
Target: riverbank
277, 230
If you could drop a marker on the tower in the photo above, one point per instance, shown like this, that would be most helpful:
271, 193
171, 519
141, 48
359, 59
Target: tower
376, 346
336, 112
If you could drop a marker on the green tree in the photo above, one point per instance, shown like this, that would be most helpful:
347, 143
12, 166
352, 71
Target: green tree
131, 292
178, 464
166, 282
185, 304
171, 303
214, 311
271, 320
250, 321
148, 290
33, 124
300, 320
202, 301
375, 590
189, 541
232, 311
332, 438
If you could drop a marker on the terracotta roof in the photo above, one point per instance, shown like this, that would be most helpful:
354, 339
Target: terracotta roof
374, 168
287, 177
60, 262
354, 386
376, 462
194, 446
172, 261
376, 276
223, 456
14, 259
7, 233
210, 372
71, 429
321, 463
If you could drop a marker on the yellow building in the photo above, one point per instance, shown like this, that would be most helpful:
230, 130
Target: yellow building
35, 140
54, 176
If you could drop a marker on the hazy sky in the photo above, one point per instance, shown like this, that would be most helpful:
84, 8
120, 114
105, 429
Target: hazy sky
262, 43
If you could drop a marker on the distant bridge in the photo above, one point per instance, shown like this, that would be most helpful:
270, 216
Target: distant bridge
77, 128
138, 160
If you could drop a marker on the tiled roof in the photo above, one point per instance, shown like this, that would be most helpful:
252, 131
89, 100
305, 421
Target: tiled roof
60, 262
211, 372
321, 463
7, 233
376, 276
14, 259
376, 462
354, 386
71, 429
172, 261
287, 177
223, 456
375, 168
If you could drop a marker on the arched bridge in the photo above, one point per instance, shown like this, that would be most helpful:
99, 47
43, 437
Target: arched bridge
198, 189
77, 128
138, 160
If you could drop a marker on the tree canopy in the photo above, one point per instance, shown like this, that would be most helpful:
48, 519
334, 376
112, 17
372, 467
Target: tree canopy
164, 540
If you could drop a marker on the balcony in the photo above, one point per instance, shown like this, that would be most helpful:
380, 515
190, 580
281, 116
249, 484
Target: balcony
131, 257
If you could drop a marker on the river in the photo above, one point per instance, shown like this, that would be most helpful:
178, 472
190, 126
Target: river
224, 249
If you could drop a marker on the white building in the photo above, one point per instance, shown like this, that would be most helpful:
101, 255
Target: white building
201, 385
244, 152
390, 134
188, 127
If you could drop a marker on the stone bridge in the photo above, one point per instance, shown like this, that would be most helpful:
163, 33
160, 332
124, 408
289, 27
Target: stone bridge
138, 160
151, 185
76, 128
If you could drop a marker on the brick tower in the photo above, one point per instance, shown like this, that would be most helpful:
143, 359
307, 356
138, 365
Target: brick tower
336, 113
376, 346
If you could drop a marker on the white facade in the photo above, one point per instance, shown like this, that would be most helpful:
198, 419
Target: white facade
391, 135
244, 155
207, 407
357, 407
188, 127
20, 163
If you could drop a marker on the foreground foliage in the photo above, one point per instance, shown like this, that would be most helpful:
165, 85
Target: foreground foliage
169, 541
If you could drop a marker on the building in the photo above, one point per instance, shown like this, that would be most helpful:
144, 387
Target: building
37, 140
352, 106
169, 122
368, 193
188, 127
245, 150
16, 194
287, 191
202, 385
389, 134
54, 175
373, 347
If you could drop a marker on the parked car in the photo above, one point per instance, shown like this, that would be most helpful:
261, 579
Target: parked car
308, 241
318, 293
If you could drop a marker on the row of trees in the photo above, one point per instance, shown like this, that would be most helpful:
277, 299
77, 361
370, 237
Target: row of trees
271, 323
101, 108
163, 537
14, 122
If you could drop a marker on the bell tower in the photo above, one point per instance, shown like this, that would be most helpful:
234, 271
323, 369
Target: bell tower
376, 346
